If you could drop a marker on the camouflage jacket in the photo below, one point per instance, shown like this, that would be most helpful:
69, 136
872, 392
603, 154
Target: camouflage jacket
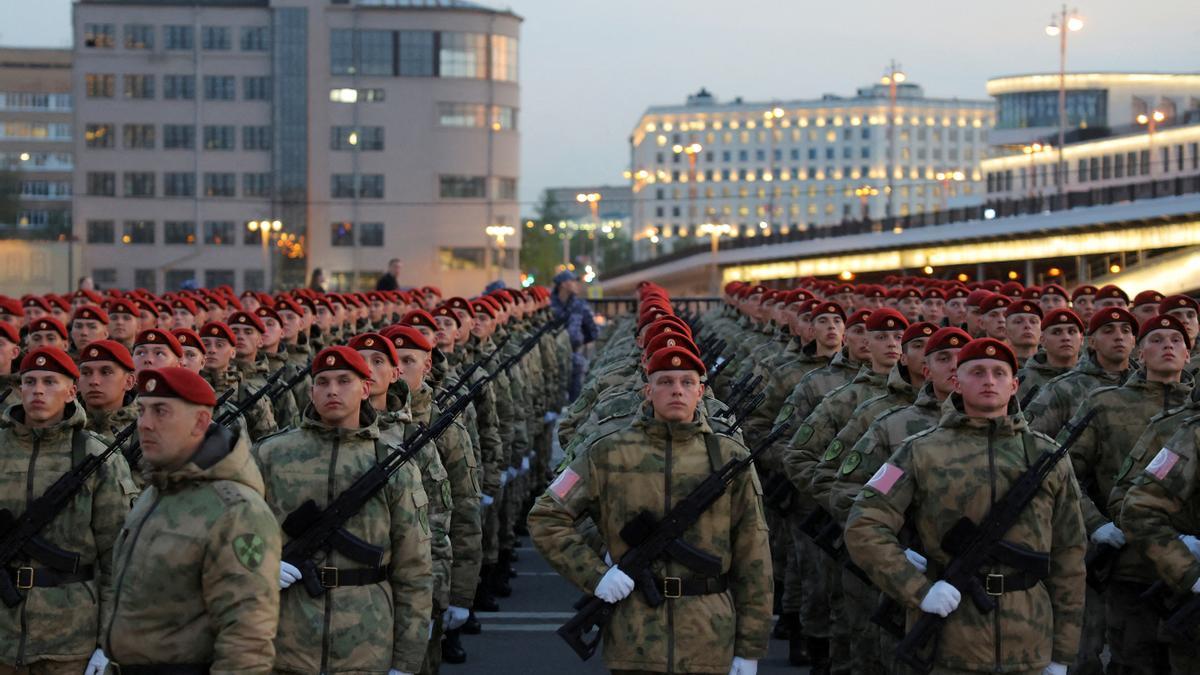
878, 442
784, 377
1054, 404
960, 468
287, 408
197, 566
10, 389
1036, 373
1121, 415
808, 392
61, 623
259, 420
108, 423
299, 356
352, 628
643, 468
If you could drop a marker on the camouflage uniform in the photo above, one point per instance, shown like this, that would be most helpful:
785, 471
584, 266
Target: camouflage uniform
10, 393
622, 475
108, 423
260, 420
287, 409
959, 468
61, 623
1054, 404
368, 628
197, 566
299, 356
1036, 373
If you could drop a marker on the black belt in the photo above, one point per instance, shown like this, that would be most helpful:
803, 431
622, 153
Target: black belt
25, 578
999, 584
676, 587
332, 577
163, 669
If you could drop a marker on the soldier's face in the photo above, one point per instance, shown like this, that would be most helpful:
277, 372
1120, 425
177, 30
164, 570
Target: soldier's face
147, 356
956, 311
291, 324
447, 332
33, 313
674, 394
272, 332
170, 430
1144, 312
86, 331
484, 326
181, 318
250, 303
1190, 322
911, 309
1164, 353
986, 385
1111, 302
973, 317
218, 352
1113, 341
147, 320
324, 317
44, 395
46, 338
1023, 330
856, 342
9, 351
1085, 306
414, 366
993, 324
467, 323
1062, 343
338, 396
913, 356
884, 346
383, 373
61, 314
1052, 302
939, 371
247, 341
933, 310
102, 384
122, 327
193, 359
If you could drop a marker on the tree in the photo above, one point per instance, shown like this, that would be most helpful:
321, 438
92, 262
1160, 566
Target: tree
541, 251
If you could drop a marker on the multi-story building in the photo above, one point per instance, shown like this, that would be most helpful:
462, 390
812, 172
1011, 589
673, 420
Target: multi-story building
798, 164
35, 141
360, 130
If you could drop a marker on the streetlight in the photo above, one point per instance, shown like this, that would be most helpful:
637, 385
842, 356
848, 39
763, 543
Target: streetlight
714, 230
1033, 151
864, 194
770, 117
692, 151
265, 228
947, 177
498, 233
891, 78
1151, 123
592, 199
1060, 25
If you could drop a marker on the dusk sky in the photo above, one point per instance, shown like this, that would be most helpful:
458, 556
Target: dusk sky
588, 69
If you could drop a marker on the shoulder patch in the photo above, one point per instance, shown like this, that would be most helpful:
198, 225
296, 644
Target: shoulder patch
1162, 464
833, 451
249, 549
1125, 467
885, 478
803, 433
562, 486
851, 463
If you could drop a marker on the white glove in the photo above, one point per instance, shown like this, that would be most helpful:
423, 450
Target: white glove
916, 560
503, 477
608, 559
941, 599
614, 586
512, 473
1192, 543
393, 671
486, 500
1109, 534
288, 575
455, 617
97, 663
1055, 669
524, 465
743, 666
1196, 586
550, 417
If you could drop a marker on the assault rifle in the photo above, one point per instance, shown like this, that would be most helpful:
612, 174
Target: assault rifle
466, 376
974, 545
742, 392
1030, 395
290, 383
651, 538
744, 411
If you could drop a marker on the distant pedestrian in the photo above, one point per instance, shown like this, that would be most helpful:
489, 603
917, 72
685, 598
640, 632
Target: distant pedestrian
390, 281
581, 326
317, 281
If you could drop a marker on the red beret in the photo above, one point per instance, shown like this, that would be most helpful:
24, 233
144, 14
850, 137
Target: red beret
976, 297
958, 292
1164, 322
188, 338
265, 312
920, 329
1147, 298
432, 289
663, 326
408, 337
991, 285
1062, 316
7, 330
1111, 315
419, 317
444, 310
121, 306
1012, 289
156, 336
378, 343
993, 302
91, 296
933, 294
987, 348
178, 383
340, 357
482, 307
1024, 307
1111, 292
860, 316
52, 359
30, 301
1177, 302
674, 358
946, 338
245, 319
107, 350
48, 323
909, 292
885, 319
806, 306
1031, 293
665, 340
460, 303
184, 303
217, 329
1055, 289
10, 306
91, 313
828, 308
283, 304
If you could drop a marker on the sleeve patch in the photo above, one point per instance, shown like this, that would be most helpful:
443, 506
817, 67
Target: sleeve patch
563, 485
1163, 462
885, 478
249, 549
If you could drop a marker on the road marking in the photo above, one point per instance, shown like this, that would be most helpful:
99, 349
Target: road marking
484, 616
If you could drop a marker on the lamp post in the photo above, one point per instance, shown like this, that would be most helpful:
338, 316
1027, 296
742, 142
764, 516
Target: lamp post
592, 199
770, 119
714, 230
497, 233
1151, 122
947, 177
891, 78
1033, 151
864, 194
265, 228
692, 152
1061, 24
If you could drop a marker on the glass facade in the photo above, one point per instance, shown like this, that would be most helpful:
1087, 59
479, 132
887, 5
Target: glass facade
289, 116
1085, 108
422, 54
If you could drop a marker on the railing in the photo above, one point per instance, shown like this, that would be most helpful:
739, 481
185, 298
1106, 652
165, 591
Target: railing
611, 308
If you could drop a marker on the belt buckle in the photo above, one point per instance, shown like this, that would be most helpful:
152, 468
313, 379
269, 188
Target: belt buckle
24, 578
994, 584
328, 573
673, 587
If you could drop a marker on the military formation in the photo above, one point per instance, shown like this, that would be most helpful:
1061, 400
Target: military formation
308, 482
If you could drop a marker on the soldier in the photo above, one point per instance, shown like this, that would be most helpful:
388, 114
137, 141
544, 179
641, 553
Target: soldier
369, 619
55, 628
192, 346
706, 623
220, 372
1083, 301
1185, 309
1111, 296
196, 588
1023, 328
156, 348
183, 313
88, 323
11, 312
1061, 340
106, 380
122, 321
1053, 297
956, 307
10, 351
992, 316
47, 332
959, 468
1145, 305
296, 317
933, 306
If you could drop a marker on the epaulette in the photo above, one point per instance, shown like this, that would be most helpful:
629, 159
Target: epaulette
279, 432
229, 492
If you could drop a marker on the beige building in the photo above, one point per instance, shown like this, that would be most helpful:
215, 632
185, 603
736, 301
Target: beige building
368, 130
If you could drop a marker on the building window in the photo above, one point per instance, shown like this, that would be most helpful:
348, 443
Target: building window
376, 52
219, 87
351, 138
215, 278
462, 187
461, 114
218, 232
179, 136
256, 88
99, 35
98, 135
101, 232
343, 95
100, 86
147, 279
416, 53
38, 131
105, 277
179, 232
256, 185
139, 183
506, 188
462, 55
370, 234
25, 100
219, 137
219, 185
44, 189
139, 36
370, 186
176, 278
179, 87
256, 39
504, 58
138, 232
215, 38
461, 258
179, 185
341, 234
256, 138
138, 136
254, 280
341, 51
179, 38
101, 183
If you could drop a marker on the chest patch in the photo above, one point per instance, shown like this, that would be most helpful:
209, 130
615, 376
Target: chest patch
886, 478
